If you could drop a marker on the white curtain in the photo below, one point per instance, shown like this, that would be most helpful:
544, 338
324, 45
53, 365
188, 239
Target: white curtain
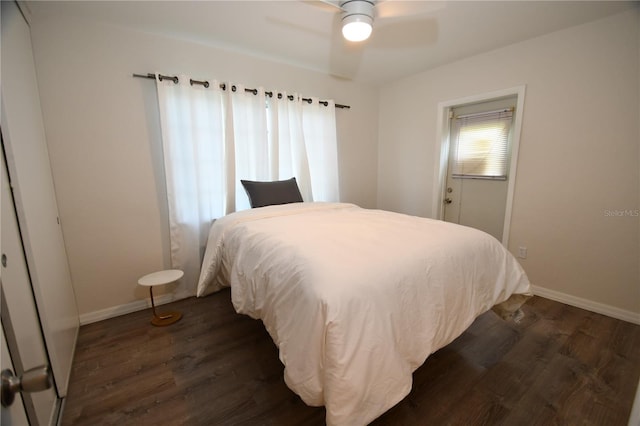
193, 142
288, 152
213, 138
319, 126
250, 137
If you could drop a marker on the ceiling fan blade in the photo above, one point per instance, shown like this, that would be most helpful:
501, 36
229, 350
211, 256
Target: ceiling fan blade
406, 33
326, 5
345, 56
406, 8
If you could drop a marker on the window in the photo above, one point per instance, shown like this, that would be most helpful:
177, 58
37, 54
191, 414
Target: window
482, 145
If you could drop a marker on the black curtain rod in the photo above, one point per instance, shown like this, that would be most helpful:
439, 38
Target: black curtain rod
233, 88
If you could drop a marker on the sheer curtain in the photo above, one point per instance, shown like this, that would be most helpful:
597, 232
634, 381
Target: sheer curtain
212, 138
288, 153
250, 136
193, 140
319, 126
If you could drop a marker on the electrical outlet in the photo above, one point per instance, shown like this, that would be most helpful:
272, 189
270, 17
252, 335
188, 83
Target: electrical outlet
522, 252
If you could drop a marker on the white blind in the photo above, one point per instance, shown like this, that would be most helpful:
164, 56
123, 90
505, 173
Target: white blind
482, 145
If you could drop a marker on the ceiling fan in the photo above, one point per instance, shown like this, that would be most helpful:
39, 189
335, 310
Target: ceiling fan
357, 16
399, 24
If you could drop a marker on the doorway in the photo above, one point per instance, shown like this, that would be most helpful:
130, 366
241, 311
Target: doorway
477, 160
477, 169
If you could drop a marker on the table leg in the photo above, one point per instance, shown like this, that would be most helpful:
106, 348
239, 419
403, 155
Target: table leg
162, 320
153, 306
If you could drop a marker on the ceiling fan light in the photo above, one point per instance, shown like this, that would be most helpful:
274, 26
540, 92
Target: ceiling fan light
356, 27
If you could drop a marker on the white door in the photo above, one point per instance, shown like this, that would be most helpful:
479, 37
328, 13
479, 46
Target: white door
472, 199
33, 191
20, 324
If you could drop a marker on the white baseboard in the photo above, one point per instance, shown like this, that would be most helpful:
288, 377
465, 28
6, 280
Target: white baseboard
589, 305
578, 302
127, 308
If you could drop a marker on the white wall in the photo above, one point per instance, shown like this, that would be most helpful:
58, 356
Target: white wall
579, 154
104, 140
103, 135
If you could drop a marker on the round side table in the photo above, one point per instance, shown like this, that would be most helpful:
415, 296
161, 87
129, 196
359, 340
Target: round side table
161, 278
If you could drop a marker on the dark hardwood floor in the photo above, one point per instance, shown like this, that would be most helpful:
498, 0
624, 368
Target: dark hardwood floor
559, 366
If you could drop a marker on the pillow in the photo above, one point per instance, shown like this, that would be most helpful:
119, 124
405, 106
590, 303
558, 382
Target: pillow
270, 193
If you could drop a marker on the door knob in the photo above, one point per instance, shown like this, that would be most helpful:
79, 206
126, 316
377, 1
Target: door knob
448, 200
33, 380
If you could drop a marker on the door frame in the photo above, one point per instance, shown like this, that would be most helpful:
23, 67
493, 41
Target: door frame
443, 132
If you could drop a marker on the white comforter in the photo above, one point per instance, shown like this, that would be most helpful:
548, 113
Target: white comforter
356, 299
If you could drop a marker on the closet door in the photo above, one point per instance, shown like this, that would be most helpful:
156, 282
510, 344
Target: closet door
32, 183
22, 333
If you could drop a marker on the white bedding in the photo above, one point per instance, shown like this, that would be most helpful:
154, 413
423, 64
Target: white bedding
356, 299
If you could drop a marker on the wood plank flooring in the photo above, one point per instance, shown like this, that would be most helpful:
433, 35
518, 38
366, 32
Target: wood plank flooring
559, 366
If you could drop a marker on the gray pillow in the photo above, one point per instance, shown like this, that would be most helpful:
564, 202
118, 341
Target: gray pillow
270, 193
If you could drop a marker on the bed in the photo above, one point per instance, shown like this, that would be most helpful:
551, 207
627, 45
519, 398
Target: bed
356, 299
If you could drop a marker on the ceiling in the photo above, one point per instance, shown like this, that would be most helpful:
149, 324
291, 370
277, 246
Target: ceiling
408, 36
